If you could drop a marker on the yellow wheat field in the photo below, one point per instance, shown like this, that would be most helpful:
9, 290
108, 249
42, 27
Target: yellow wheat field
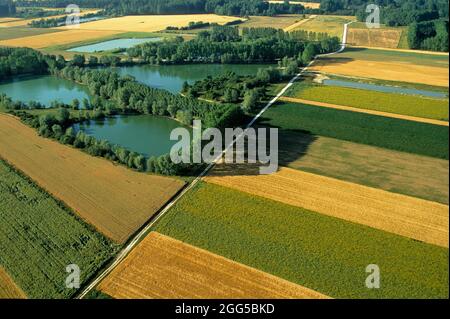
57, 38
161, 267
399, 214
114, 199
8, 289
152, 23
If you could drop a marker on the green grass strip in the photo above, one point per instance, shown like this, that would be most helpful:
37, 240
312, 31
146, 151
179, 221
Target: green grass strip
40, 237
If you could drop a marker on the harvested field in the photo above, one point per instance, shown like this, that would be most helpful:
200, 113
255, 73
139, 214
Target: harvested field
3, 20
164, 268
151, 23
15, 33
391, 71
308, 5
8, 289
398, 172
323, 253
333, 25
116, 200
406, 216
391, 133
57, 38
297, 24
384, 38
25, 22
277, 22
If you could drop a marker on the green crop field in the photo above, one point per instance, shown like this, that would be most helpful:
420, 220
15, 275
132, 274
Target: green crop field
39, 238
320, 252
379, 101
406, 136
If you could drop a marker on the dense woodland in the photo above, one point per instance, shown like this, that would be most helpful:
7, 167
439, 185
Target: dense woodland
226, 45
222, 7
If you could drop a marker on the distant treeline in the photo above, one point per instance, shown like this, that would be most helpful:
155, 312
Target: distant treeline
222, 7
226, 45
200, 25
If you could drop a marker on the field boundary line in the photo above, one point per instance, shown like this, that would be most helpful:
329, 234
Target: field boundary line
146, 229
365, 111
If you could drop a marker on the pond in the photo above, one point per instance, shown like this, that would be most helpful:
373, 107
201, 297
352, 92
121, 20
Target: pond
44, 89
172, 77
145, 134
384, 88
113, 44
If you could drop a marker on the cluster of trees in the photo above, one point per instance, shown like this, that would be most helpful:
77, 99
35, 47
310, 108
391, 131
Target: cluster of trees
429, 35
427, 19
124, 94
222, 7
7, 8
17, 61
225, 45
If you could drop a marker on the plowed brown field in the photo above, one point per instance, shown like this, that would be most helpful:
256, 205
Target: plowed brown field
162, 267
8, 289
116, 200
407, 216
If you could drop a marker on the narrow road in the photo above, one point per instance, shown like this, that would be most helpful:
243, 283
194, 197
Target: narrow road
137, 238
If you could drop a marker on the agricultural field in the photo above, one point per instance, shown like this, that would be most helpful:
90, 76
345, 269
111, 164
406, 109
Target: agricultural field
308, 5
15, 33
8, 288
398, 172
390, 65
162, 267
151, 23
383, 37
114, 199
394, 134
431, 108
40, 237
289, 242
333, 25
25, 22
277, 22
406, 216
58, 38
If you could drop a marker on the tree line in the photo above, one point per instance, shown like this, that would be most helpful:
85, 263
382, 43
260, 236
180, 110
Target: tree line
429, 35
226, 45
